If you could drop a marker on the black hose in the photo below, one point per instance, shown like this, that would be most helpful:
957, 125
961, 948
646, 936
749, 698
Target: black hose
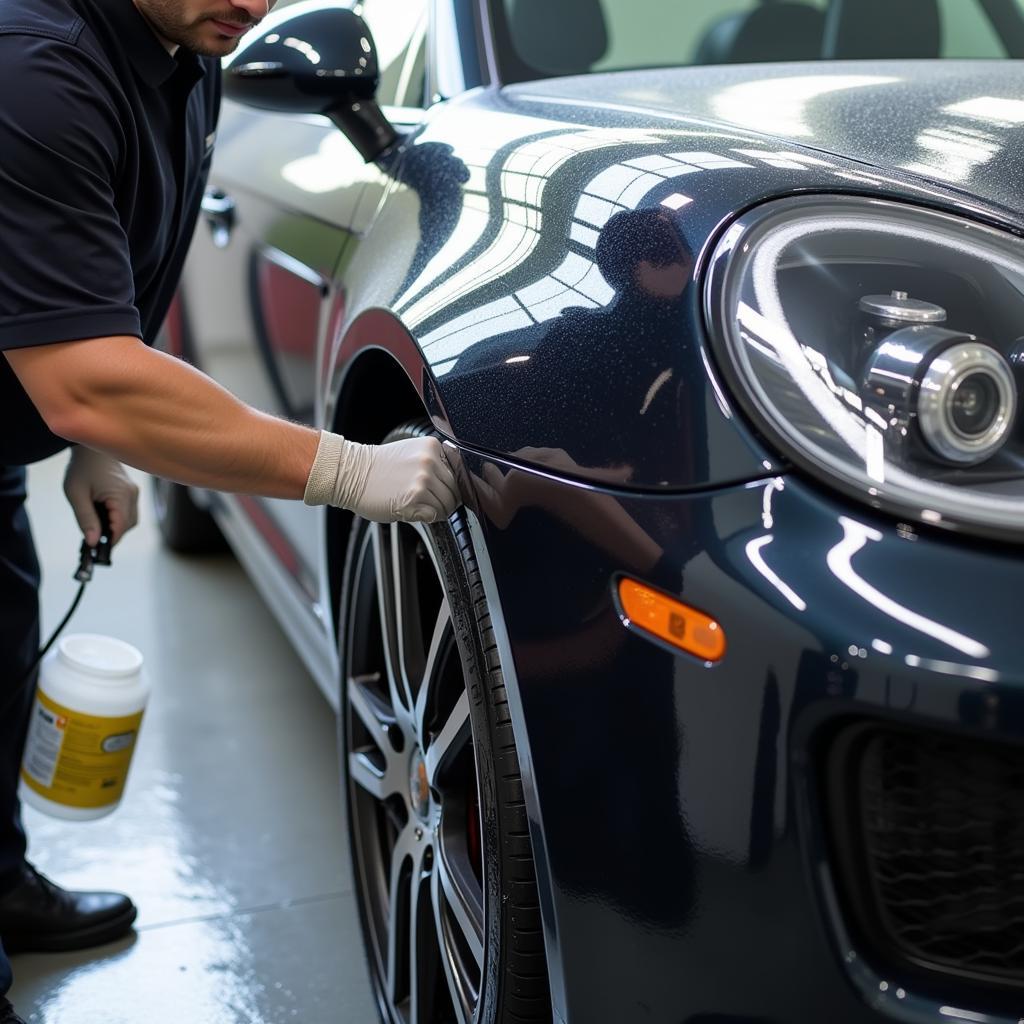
87, 558
49, 643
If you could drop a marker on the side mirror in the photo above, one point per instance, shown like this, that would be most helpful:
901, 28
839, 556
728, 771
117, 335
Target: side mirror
314, 59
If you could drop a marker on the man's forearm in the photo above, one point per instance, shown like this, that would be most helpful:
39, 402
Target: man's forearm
160, 415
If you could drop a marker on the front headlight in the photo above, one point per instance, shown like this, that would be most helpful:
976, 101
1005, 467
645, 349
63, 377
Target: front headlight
880, 346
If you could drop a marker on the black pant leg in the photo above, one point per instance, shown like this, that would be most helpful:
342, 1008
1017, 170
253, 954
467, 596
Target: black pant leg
19, 644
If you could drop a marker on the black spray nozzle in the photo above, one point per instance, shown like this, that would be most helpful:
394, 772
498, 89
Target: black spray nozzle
98, 555
102, 555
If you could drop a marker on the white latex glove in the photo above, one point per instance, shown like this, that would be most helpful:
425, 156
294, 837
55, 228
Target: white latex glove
94, 477
405, 481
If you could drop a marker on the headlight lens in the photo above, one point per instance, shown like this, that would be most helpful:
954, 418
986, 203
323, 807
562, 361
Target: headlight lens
881, 345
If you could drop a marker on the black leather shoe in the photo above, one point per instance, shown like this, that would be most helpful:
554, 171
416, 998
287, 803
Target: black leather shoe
7, 1014
40, 917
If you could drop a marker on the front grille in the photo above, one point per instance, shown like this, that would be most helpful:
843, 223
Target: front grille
929, 836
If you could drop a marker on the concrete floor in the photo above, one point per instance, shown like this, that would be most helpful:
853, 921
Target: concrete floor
229, 837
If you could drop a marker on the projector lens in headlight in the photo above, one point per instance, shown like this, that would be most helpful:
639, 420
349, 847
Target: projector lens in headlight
876, 345
967, 402
961, 391
975, 406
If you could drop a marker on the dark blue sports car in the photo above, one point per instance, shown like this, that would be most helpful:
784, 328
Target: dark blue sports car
709, 706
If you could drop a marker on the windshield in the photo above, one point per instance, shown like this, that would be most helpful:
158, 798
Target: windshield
544, 38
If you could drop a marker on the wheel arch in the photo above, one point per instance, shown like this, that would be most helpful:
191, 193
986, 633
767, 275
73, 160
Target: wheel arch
378, 380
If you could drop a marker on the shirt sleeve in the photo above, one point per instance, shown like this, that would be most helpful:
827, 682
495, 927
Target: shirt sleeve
65, 264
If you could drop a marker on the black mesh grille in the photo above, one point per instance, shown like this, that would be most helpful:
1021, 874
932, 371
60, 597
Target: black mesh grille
939, 822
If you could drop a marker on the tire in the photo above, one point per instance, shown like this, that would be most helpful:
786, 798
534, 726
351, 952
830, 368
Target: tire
441, 853
184, 526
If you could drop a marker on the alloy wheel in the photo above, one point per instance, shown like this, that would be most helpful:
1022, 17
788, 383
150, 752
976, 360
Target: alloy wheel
412, 782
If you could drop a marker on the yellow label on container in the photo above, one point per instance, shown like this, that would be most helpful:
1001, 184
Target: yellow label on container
76, 759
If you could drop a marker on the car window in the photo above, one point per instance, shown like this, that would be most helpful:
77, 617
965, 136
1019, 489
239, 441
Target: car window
397, 27
681, 29
966, 34
411, 84
535, 39
412, 89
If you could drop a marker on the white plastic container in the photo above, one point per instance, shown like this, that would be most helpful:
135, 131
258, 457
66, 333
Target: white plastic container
85, 722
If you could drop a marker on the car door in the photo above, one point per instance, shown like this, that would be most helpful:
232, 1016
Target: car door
286, 196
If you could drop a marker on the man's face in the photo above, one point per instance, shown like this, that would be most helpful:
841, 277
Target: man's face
211, 28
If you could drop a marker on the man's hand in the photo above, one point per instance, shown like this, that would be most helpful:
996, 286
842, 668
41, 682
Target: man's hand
94, 477
408, 481
405, 481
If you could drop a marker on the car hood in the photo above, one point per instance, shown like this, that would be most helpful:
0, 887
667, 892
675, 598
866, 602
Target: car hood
957, 123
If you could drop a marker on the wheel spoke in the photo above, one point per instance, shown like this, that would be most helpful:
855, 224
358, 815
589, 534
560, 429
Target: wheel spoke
422, 950
466, 905
437, 645
365, 774
409, 642
449, 741
373, 712
460, 999
397, 966
384, 559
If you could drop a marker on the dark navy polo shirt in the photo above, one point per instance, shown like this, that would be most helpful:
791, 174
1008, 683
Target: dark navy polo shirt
105, 146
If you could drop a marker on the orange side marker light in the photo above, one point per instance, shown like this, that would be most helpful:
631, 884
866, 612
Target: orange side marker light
670, 620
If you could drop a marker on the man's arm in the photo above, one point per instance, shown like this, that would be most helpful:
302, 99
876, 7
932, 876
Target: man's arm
160, 415
163, 416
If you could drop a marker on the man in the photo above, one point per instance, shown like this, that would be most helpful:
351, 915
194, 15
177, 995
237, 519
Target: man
107, 121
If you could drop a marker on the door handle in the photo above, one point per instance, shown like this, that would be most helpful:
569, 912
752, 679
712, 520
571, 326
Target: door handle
219, 210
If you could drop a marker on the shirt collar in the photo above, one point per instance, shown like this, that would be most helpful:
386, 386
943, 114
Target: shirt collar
150, 58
